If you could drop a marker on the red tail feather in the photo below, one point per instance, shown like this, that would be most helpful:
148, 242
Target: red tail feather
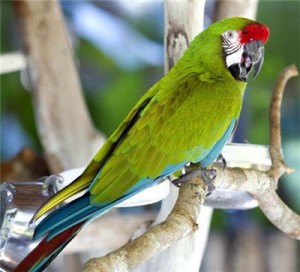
47, 248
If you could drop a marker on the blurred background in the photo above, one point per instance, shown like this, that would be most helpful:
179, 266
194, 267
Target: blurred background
118, 46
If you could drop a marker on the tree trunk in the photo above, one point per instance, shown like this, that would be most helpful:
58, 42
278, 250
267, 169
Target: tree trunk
240, 8
64, 125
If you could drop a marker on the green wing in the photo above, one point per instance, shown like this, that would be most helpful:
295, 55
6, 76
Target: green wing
175, 122
176, 126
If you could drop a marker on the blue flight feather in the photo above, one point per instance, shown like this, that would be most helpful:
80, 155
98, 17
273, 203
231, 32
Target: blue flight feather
217, 148
80, 209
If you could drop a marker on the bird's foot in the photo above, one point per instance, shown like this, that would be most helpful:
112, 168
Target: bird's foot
208, 176
222, 161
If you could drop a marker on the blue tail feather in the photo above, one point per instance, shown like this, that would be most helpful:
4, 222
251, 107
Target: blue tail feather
80, 209
62, 215
92, 212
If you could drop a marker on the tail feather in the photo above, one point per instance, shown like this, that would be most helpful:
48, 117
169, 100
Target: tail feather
90, 214
76, 208
62, 225
39, 258
79, 184
81, 210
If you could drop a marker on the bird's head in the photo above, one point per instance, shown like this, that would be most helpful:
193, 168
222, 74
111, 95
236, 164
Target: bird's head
244, 49
229, 49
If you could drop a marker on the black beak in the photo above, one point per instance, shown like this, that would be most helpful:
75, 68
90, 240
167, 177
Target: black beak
252, 58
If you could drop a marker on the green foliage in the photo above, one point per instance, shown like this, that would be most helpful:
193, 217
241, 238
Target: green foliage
114, 102
17, 101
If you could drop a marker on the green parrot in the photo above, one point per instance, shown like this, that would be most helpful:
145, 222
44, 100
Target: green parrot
187, 116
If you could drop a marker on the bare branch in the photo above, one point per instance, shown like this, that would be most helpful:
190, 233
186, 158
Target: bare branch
184, 217
62, 118
112, 236
269, 202
181, 221
230, 8
279, 214
183, 21
262, 186
243, 180
278, 165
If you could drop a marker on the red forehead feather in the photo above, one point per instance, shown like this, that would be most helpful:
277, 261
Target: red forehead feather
255, 32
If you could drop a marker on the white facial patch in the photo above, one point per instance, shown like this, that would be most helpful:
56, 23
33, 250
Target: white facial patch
235, 57
232, 47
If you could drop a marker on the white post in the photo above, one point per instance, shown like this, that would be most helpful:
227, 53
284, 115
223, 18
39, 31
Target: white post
183, 21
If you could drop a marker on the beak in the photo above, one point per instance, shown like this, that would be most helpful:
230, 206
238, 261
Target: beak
252, 57
255, 51
259, 63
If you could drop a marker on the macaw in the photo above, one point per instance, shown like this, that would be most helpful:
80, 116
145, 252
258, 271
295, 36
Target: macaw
187, 116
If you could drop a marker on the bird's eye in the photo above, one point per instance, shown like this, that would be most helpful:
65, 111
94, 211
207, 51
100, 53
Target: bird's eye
230, 37
230, 34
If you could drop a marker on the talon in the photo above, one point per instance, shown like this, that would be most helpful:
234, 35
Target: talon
222, 160
210, 188
191, 166
208, 175
177, 182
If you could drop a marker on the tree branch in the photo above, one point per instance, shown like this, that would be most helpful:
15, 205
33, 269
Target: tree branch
279, 214
241, 8
278, 166
62, 118
261, 185
181, 221
272, 206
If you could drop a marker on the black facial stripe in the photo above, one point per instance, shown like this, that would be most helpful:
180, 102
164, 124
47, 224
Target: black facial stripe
242, 59
241, 70
230, 47
231, 50
237, 72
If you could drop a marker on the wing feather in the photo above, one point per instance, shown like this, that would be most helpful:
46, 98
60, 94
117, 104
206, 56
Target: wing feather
167, 133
